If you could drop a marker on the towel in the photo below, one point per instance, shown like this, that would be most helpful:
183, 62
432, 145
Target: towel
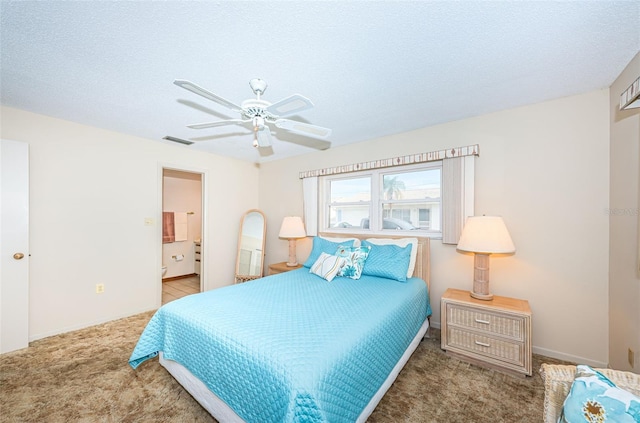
181, 224
168, 227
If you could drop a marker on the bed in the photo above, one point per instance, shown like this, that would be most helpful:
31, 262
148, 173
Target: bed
292, 347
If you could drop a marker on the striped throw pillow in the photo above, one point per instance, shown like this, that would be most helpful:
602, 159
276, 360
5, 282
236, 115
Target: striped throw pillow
327, 266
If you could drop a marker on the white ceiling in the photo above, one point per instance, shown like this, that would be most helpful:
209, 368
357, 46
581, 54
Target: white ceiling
371, 68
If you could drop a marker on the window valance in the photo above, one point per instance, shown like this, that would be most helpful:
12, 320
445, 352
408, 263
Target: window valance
470, 150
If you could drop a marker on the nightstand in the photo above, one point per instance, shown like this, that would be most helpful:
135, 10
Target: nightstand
282, 267
494, 333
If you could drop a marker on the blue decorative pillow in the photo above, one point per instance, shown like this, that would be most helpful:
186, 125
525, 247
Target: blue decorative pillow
327, 266
321, 245
387, 261
401, 242
354, 260
594, 398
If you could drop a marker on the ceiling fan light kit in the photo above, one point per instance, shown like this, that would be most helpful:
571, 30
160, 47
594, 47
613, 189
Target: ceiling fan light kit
260, 113
258, 86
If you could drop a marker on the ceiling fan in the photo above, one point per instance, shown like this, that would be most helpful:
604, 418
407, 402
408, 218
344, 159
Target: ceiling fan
260, 113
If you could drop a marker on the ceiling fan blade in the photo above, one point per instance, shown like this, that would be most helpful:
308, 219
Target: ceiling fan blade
188, 85
263, 136
303, 128
290, 105
219, 123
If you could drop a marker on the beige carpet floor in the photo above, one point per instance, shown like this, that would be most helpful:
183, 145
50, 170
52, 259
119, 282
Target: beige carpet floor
83, 376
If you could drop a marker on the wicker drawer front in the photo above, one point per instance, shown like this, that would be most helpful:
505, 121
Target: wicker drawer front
500, 324
500, 349
495, 333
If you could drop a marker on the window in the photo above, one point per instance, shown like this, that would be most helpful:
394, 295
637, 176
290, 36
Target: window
349, 201
424, 216
402, 198
353, 197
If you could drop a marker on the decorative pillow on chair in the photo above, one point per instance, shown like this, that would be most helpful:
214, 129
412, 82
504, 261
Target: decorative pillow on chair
327, 266
322, 245
354, 260
594, 398
387, 261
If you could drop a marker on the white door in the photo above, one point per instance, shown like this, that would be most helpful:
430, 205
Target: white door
14, 245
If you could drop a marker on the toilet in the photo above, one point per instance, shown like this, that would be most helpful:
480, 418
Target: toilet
164, 270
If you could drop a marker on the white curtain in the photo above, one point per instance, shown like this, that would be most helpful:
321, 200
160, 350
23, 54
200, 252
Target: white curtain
457, 196
310, 198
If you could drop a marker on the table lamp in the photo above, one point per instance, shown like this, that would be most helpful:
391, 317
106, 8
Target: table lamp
292, 228
484, 235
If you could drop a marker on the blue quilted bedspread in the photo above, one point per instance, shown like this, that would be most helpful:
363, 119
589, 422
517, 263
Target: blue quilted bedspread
291, 347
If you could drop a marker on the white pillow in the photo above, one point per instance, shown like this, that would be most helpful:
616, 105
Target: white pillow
327, 266
356, 241
401, 242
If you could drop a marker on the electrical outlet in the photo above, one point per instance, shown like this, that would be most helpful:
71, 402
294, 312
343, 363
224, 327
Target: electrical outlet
99, 288
631, 357
148, 221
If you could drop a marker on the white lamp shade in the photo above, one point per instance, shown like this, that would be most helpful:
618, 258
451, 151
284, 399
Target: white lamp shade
292, 227
486, 234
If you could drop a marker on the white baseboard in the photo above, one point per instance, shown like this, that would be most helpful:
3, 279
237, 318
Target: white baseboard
569, 357
38, 336
555, 354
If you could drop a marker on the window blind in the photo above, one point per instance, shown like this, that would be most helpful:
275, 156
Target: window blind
310, 205
457, 196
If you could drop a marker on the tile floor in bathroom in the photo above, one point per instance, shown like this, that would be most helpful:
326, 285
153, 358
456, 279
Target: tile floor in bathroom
172, 290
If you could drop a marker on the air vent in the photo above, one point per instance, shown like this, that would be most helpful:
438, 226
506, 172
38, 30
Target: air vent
178, 140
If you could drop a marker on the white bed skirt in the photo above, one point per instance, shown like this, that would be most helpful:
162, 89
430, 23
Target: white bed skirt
224, 414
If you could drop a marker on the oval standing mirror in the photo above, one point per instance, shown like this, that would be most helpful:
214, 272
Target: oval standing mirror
250, 259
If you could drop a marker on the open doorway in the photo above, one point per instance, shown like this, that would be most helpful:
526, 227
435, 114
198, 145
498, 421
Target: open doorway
182, 233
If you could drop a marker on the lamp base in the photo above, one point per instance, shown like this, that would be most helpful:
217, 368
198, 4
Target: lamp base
293, 260
484, 297
481, 277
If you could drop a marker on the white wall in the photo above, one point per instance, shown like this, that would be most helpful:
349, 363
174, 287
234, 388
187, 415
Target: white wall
91, 190
624, 284
545, 169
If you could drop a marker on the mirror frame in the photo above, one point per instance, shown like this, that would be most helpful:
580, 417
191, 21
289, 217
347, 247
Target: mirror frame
244, 278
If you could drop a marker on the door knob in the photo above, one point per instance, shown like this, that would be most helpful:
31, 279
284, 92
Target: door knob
18, 256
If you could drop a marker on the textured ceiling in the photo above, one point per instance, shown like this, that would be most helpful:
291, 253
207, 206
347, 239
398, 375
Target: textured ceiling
371, 68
